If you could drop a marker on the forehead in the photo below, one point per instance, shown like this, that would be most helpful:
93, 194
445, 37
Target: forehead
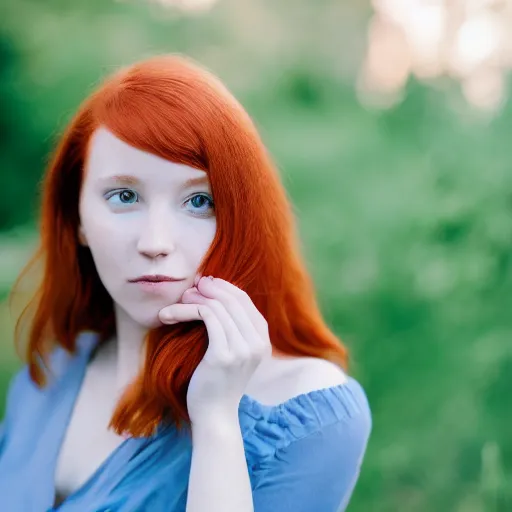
109, 156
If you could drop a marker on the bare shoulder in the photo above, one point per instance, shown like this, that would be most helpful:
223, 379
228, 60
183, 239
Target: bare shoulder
280, 379
314, 373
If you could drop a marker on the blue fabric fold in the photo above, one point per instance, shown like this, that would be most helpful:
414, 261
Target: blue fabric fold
302, 455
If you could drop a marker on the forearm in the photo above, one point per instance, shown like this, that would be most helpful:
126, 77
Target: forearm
219, 479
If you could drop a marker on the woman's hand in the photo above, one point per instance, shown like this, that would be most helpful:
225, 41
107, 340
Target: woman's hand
238, 341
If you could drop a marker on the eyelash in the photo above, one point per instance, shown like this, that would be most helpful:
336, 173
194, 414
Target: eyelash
117, 192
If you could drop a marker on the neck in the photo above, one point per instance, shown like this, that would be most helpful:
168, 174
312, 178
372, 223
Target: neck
129, 355
124, 351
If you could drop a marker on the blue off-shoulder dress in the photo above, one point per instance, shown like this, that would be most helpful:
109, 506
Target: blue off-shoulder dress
303, 455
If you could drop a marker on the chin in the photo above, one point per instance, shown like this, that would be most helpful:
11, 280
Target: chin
148, 322
145, 318
144, 312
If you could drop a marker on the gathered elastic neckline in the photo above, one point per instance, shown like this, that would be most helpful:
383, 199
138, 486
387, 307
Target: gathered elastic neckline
310, 410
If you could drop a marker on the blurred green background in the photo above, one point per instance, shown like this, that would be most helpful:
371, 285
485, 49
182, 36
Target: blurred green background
390, 123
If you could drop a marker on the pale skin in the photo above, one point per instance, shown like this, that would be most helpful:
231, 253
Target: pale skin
142, 215
238, 342
137, 218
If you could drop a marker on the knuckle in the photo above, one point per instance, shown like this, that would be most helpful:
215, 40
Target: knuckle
248, 357
218, 358
204, 311
227, 360
230, 301
215, 304
264, 350
231, 330
242, 354
253, 353
242, 294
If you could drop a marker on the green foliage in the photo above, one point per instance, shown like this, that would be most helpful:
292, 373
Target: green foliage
405, 217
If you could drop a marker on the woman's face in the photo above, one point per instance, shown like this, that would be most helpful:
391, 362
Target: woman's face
142, 215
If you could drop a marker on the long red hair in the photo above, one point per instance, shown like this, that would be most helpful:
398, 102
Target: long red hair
171, 107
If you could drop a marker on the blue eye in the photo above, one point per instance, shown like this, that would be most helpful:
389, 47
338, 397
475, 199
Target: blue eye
126, 196
199, 201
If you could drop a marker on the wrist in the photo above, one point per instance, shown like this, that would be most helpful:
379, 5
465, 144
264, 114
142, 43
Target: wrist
216, 423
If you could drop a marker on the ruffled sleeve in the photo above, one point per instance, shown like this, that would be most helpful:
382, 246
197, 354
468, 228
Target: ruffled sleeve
311, 449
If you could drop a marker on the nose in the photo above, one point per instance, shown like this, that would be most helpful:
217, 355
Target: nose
156, 238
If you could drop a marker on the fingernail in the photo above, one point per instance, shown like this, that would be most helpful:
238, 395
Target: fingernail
196, 280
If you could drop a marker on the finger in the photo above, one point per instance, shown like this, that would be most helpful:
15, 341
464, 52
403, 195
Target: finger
217, 342
236, 312
218, 345
176, 313
254, 315
238, 345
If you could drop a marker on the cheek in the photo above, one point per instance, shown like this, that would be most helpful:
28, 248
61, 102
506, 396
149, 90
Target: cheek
108, 243
199, 241
105, 230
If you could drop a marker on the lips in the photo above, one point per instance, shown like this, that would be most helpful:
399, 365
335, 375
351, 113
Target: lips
154, 278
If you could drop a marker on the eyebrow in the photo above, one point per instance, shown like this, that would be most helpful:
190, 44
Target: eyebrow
125, 179
191, 182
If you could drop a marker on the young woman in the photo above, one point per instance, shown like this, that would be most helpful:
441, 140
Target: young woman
177, 359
